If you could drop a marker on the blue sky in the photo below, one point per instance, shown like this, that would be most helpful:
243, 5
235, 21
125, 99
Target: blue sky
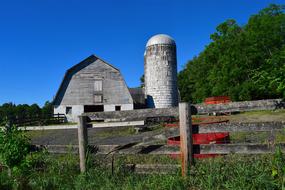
41, 39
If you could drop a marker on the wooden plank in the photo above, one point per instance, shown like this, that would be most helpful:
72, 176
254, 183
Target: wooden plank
114, 149
225, 127
131, 115
74, 149
117, 124
186, 139
166, 149
51, 127
94, 125
83, 142
269, 104
138, 114
150, 149
152, 168
239, 148
241, 127
205, 149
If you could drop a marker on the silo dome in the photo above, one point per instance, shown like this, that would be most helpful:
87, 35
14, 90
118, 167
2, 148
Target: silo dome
160, 39
160, 72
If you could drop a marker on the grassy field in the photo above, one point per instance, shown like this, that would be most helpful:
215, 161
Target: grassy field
43, 171
258, 137
259, 116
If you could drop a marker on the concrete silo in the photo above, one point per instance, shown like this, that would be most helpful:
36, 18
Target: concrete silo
160, 66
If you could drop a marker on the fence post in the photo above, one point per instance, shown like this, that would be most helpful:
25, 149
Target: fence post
186, 139
82, 142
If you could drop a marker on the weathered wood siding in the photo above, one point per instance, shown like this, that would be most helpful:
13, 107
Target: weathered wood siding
79, 86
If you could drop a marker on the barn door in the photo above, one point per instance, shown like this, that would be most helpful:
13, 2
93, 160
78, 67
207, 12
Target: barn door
98, 91
98, 85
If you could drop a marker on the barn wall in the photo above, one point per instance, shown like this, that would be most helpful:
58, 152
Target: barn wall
79, 109
76, 111
80, 88
111, 107
127, 107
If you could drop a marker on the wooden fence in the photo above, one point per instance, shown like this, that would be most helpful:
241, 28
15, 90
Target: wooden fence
130, 115
186, 149
40, 120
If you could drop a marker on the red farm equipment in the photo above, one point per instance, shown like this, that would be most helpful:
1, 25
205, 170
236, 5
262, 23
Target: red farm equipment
202, 138
205, 138
217, 100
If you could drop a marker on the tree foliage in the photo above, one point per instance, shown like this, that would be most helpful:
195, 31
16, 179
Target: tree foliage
12, 112
243, 62
142, 81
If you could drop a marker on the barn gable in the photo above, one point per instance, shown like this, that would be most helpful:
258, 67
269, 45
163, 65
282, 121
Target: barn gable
92, 82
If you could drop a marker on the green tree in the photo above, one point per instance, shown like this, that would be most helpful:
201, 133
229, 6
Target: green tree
243, 62
142, 81
47, 109
34, 111
22, 112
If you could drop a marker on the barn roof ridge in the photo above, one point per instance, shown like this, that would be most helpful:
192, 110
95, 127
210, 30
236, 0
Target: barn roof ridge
90, 57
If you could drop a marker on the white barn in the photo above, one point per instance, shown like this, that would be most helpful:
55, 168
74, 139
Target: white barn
92, 85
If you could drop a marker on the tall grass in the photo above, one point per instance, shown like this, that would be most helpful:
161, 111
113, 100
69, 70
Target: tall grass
234, 172
44, 171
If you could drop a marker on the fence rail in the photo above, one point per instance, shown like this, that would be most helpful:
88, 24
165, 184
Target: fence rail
168, 149
129, 115
40, 120
226, 127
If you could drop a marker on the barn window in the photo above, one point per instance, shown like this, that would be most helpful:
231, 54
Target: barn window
68, 110
98, 85
98, 98
118, 108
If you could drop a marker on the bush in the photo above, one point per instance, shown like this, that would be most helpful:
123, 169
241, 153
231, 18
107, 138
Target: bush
14, 147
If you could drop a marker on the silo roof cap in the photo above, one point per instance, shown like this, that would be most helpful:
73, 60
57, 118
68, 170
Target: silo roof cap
160, 39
